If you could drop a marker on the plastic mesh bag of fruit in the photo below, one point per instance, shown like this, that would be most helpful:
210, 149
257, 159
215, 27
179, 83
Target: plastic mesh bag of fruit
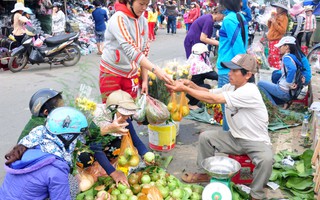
156, 111
128, 156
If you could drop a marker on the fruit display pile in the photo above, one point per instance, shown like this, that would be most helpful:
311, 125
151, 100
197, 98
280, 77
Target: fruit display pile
150, 183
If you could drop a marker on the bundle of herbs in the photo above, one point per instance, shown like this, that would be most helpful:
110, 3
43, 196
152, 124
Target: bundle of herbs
278, 115
295, 179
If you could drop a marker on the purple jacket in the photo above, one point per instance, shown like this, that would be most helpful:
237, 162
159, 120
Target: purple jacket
36, 176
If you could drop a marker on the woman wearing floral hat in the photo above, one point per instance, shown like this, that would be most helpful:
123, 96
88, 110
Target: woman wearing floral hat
297, 12
277, 28
310, 24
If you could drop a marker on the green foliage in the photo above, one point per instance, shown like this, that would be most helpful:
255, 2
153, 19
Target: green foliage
296, 180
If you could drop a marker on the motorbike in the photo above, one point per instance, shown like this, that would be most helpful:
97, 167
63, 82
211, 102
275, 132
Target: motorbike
61, 49
251, 32
7, 44
314, 57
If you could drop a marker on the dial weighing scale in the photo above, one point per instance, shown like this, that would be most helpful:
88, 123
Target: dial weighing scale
221, 169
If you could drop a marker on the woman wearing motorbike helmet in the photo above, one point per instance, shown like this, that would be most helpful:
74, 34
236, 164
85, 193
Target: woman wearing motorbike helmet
113, 119
41, 104
38, 167
58, 19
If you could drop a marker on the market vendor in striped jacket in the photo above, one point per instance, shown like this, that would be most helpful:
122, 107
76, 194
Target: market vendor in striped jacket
126, 50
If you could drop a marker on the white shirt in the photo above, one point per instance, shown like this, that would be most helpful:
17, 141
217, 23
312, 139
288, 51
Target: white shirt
246, 113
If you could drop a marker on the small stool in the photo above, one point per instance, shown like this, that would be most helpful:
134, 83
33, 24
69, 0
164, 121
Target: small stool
244, 176
304, 101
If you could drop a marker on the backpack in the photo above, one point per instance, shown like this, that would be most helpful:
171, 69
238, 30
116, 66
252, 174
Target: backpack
295, 93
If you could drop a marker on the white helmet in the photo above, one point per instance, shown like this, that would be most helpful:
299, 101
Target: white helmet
199, 48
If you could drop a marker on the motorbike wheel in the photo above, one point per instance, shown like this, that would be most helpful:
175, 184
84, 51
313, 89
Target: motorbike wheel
73, 55
17, 63
314, 56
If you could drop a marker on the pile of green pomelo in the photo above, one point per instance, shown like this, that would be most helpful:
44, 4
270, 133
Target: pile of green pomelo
151, 183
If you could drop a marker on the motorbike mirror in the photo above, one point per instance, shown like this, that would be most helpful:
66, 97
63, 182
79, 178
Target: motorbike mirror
30, 31
28, 41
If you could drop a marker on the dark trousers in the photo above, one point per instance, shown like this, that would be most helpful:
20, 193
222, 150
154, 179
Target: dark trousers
171, 24
199, 80
299, 38
308, 37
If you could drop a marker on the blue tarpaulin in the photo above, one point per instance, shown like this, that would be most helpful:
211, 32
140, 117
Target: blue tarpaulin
317, 10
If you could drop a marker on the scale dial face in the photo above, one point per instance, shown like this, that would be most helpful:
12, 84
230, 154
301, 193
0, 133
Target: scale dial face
216, 191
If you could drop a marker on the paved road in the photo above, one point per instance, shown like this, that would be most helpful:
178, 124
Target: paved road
17, 88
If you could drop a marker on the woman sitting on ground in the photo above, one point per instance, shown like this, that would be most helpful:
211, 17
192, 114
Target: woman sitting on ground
279, 93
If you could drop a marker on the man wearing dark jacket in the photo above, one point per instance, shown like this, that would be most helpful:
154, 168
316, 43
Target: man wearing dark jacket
171, 14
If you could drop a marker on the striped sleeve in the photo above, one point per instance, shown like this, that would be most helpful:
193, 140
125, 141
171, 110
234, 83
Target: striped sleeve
130, 43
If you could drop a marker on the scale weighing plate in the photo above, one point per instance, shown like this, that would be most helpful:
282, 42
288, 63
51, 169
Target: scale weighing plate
216, 191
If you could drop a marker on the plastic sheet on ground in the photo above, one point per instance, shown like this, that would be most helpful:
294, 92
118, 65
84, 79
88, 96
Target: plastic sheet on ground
201, 115
282, 125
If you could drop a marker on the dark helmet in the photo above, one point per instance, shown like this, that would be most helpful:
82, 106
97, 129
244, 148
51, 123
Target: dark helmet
39, 98
57, 4
85, 159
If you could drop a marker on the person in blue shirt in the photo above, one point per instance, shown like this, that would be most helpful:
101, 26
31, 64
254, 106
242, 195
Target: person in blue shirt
246, 11
278, 93
232, 41
100, 17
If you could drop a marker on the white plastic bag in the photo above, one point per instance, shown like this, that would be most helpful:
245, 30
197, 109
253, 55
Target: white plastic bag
140, 115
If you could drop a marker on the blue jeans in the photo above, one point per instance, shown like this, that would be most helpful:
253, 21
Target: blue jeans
273, 92
222, 80
171, 24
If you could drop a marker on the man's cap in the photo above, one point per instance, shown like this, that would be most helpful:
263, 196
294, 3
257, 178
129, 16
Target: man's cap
286, 40
242, 61
124, 101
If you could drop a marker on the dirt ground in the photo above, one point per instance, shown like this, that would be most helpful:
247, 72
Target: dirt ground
185, 152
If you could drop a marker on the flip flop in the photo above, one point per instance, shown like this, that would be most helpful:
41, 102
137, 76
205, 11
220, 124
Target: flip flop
195, 177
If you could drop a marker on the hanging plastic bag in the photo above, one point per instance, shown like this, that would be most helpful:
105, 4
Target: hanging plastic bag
156, 111
140, 115
173, 103
128, 156
184, 108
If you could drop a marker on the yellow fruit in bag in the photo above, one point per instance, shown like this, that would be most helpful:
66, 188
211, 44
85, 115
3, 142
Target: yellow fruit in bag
185, 111
176, 116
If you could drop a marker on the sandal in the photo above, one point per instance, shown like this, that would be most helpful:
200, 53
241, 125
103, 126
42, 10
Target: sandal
195, 177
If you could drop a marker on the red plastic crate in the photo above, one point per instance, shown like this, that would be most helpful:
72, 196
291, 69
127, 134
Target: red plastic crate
244, 176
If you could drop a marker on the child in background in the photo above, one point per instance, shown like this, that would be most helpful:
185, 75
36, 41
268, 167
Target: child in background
310, 24
152, 20
186, 20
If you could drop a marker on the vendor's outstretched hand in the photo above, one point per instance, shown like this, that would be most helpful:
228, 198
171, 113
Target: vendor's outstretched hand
119, 177
177, 86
